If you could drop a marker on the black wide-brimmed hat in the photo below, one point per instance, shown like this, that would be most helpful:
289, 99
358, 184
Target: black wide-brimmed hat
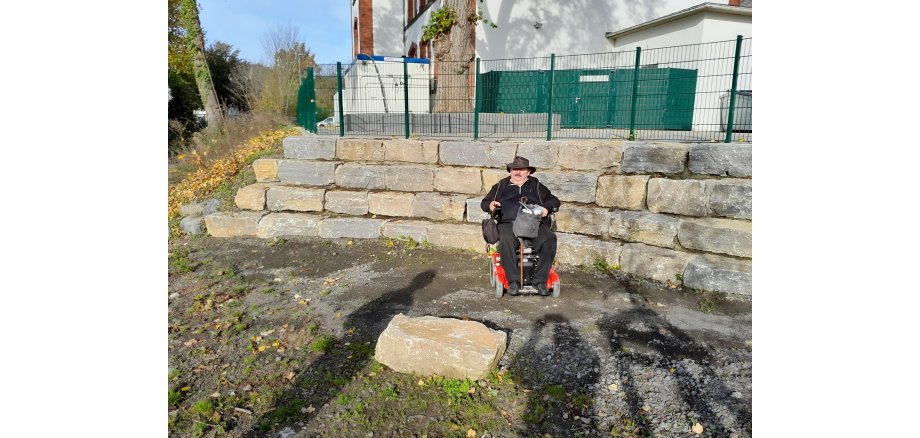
520, 163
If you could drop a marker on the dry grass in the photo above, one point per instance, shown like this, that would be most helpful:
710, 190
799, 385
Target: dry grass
206, 147
219, 157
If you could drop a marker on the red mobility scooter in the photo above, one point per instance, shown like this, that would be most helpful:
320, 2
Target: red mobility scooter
527, 260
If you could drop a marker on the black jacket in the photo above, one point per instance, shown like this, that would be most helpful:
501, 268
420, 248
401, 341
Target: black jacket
509, 195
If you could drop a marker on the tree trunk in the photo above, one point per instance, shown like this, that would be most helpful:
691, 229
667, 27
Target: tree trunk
195, 37
455, 53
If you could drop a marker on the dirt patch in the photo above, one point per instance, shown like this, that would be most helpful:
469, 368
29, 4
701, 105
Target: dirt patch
276, 337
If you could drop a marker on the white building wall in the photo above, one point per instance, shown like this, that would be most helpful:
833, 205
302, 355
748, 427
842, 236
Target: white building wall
567, 28
704, 42
389, 16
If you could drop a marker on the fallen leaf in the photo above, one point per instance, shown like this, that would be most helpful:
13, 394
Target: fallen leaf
190, 342
672, 370
310, 408
472, 390
186, 388
289, 375
245, 411
248, 387
267, 332
471, 433
338, 315
421, 383
697, 428
613, 387
262, 348
215, 395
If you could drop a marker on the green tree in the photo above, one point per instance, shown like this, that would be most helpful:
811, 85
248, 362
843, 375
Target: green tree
188, 27
223, 60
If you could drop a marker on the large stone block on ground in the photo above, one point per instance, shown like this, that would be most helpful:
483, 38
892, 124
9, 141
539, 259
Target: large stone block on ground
477, 153
730, 198
417, 230
347, 202
350, 227
458, 180
542, 154
570, 186
644, 227
289, 225
359, 149
280, 198
719, 274
724, 159
652, 262
266, 170
411, 151
244, 223
309, 147
643, 157
625, 192
436, 206
583, 220
684, 197
590, 154
314, 173
723, 236
409, 178
457, 236
251, 197
575, 250
361, 176
447, 347
473, 212
390, 203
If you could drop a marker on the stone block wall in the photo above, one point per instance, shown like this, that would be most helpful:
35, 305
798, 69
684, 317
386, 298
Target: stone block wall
664, 211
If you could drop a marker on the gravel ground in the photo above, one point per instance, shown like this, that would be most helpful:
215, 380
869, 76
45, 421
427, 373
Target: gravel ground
638, 358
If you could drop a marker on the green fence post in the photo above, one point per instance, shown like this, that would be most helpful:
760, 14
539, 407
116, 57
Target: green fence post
635, 95
549, 104
406, 95
338, 68
310, 115
477, 103
731, 100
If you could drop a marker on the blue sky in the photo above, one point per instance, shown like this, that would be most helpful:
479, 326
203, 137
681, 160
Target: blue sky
322, 25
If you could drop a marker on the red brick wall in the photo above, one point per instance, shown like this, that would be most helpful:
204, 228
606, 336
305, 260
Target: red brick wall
366, 26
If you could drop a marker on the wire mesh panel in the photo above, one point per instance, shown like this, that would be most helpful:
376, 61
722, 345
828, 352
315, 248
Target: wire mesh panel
681, 93
514, 98
326, 82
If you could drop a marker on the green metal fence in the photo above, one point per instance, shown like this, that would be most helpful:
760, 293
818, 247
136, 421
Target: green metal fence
699, 92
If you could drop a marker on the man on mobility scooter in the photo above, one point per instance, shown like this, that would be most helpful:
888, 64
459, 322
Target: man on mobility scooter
511, 192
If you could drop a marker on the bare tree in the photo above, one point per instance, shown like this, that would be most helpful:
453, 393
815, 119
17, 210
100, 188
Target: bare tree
451, 30
288, 58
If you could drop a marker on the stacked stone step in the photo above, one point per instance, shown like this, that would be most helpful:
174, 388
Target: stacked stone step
664, 211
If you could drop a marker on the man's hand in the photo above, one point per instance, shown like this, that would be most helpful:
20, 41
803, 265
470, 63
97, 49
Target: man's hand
545, 212
493, 205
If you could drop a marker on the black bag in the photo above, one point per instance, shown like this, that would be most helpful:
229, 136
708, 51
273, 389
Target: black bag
490, 226
489, 231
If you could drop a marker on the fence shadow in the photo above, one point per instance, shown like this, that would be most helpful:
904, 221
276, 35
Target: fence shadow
559, 398
699, 385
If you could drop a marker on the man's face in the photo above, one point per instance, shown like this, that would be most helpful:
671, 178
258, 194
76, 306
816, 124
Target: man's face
519, 175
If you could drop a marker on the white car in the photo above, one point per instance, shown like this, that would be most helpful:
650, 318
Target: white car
328, 121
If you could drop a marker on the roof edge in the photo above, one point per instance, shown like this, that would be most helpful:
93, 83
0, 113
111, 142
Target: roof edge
702, 7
